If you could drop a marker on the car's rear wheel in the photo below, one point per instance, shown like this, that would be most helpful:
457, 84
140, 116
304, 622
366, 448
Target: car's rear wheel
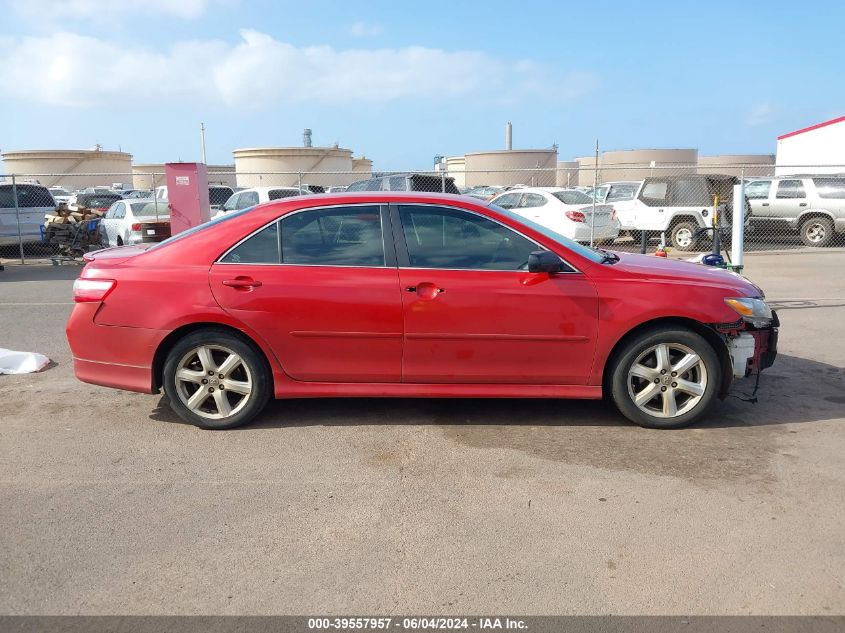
665, 378
216, 380
817, 231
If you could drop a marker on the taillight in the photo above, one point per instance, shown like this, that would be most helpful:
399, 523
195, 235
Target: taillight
87, 290
576, 216
136, 226
612, 213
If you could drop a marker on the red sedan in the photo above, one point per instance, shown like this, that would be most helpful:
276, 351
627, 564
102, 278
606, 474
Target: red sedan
423, 295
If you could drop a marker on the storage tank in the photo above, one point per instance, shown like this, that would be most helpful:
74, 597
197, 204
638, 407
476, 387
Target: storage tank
143, 175
456, 168
740, 165
567, 173
534, 167
362, 168
68, 168
263, 166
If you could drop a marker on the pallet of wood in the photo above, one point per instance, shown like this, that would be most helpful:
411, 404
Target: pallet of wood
72, 231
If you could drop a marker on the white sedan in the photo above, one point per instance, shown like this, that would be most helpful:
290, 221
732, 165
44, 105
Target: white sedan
567, 211
135, 221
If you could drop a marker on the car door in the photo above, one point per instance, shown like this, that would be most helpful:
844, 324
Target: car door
322, 288
107, 225
757, 193
790, 198
247, 199
473, 314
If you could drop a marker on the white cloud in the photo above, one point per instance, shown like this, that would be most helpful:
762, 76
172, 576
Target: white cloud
102, 10
761, 114
259, 70
365, 29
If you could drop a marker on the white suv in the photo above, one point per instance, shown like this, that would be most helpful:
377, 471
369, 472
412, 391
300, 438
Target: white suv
814, 205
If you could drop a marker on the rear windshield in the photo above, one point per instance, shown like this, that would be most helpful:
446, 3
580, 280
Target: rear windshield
150, 209
278, 194
573, 197
434, 184
28, 196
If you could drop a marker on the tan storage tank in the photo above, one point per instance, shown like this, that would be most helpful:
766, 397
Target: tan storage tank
636, 164
282, 166
362, 168
143, 174
567, 173
67, 168
533, 167
740, 165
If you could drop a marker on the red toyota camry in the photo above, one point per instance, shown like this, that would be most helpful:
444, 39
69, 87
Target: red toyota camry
388, 294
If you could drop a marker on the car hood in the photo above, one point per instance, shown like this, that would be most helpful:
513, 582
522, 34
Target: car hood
677, 271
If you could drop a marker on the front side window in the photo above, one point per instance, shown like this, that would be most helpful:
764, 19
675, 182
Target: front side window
342, 236
261, 248
654, 193
232, 202
508, 200
119, 211
758, 190
790, 189
439, 237
247, 199
532, 200
618, 193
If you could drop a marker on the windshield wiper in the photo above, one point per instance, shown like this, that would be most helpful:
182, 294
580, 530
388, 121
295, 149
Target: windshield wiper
608, 257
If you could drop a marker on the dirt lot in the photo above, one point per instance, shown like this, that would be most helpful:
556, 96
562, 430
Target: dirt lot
111, 505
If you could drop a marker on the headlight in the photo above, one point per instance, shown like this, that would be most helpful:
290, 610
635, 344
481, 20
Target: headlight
753, 311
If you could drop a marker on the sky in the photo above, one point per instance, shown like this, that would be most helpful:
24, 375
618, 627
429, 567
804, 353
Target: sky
402, 82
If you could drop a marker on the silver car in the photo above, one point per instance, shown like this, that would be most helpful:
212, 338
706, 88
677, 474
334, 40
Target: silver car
814, 205
135, 221
34, 202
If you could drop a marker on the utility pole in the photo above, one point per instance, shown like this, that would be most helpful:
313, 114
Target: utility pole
595, 186
202, 139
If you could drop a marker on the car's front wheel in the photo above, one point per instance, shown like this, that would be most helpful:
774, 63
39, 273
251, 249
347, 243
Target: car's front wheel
216, 380
665, 378
817, 231
684, 236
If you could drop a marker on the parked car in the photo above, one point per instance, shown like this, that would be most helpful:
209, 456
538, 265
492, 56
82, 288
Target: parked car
217, 196
615, 192
484, 192
94, 201
135, 222
813, 205
681, 206
567, 211
407, 182
416, 295
336, 189
60, 195
314, 188
138, 193
33, 203
256, 195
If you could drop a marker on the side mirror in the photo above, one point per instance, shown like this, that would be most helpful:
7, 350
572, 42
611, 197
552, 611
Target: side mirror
544, 262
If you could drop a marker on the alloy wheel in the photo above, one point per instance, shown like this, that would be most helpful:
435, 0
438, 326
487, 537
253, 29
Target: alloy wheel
815, 232
667, 380
213, 381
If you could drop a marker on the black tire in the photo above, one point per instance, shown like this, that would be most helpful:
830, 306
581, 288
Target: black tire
817, 231
119, 241
683, 236
624, 359
637, 236
253, 366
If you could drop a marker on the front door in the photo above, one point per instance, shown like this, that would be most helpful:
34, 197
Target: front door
321, 288
474, 314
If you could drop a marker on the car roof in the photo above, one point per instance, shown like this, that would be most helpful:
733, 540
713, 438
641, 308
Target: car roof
269, 188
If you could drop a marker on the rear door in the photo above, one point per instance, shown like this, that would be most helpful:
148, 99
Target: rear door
322, 288
473, 314
790, 198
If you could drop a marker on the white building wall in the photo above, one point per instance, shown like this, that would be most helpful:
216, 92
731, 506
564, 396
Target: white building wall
819, 150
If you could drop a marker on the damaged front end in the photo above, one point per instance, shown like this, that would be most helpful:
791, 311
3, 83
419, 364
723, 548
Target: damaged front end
752, 340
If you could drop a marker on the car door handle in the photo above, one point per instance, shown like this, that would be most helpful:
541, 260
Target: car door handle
802, 204
242, 283
765, 204
425, 290
414, 289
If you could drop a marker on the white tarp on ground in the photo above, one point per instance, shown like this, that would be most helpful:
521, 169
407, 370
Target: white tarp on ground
12, 362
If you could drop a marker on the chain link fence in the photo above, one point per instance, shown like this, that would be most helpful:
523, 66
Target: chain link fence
631, 207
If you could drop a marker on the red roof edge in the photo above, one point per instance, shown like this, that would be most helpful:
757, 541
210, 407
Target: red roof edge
812, 127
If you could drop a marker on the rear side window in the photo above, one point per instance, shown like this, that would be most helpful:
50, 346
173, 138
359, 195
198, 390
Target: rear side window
261, 248
654, 193
830, 187
28, 196
397, 183
278, 194
758, 190
790, 189
690, 192
532, 200
247, 199
341, 236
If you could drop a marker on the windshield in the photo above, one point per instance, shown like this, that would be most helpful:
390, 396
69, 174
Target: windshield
573, 197
583, 251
